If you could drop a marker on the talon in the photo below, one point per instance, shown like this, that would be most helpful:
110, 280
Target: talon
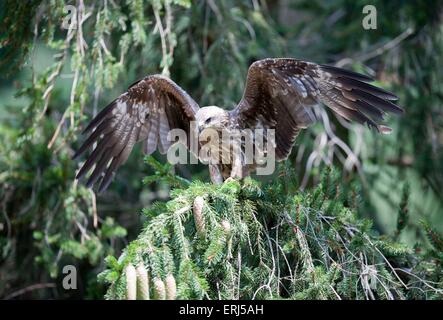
229, 179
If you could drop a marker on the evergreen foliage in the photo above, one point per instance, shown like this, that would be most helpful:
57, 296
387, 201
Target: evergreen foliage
54, 78
241, 240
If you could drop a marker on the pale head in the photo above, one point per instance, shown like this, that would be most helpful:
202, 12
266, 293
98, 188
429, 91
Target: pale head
211, 117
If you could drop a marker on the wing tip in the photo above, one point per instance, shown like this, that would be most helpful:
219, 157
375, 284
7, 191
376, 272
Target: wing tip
398, 109
384, 129
81, 173
75, 155
104, 184
347, 73
91, 181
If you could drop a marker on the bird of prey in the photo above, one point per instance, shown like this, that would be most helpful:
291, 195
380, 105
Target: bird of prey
279, 94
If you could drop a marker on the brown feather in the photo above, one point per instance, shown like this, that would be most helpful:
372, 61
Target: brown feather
132, 117
276, 88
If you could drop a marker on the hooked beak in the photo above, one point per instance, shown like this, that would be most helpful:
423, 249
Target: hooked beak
200, 128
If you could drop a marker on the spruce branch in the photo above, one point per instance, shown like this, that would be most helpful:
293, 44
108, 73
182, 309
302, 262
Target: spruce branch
270, 242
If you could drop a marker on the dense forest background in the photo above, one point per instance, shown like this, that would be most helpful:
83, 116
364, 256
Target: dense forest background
58, 69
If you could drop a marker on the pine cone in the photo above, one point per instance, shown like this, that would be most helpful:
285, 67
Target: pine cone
226, 227
198, 216
171, 287
159, 289
142, 282
131, 282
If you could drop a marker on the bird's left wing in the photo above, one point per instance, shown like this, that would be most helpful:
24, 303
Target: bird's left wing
279, 93
145, 112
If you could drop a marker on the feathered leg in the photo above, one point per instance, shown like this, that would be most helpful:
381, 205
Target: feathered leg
238, 170
215, 174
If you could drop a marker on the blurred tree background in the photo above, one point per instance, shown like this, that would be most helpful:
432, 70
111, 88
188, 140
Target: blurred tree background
62, 61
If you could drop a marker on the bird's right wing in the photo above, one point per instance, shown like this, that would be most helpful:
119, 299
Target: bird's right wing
145, 112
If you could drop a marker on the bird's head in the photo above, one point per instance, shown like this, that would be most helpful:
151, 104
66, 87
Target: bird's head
211, 117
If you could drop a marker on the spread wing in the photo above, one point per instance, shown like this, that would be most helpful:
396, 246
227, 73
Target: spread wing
279, 93
145, 112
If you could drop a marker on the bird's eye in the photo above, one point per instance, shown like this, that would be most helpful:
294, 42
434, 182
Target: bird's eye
208, 120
